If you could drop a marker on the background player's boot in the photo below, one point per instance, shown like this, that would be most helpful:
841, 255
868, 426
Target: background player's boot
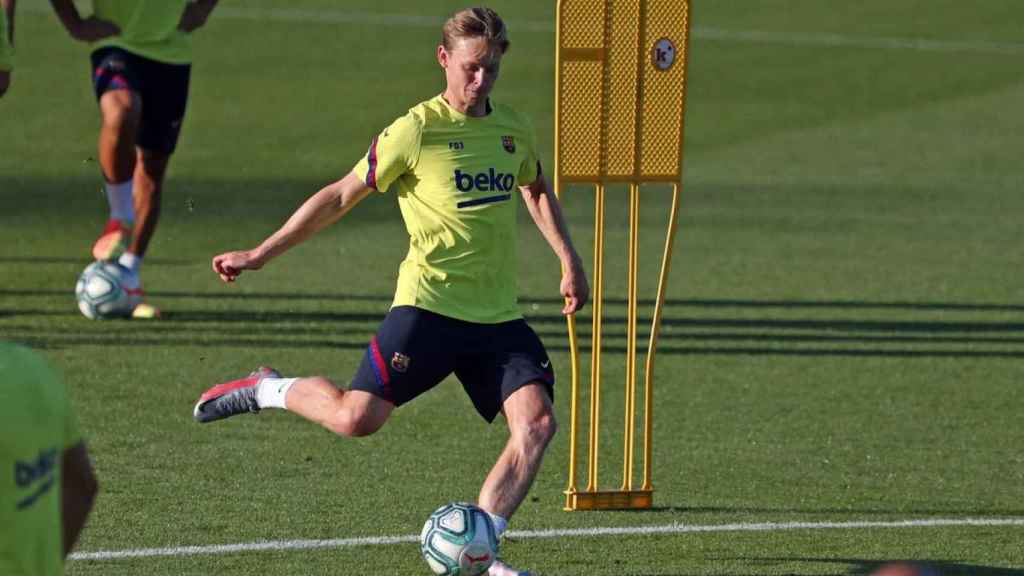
230, 398
145, 311
499, 568
141, 309
113, 241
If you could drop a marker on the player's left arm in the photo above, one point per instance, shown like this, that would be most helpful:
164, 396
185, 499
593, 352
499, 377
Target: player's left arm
78, 492
195, 14
547, 215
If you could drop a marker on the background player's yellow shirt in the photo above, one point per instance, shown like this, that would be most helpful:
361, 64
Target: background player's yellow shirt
36, 426
6, 51
457, 180
148, 28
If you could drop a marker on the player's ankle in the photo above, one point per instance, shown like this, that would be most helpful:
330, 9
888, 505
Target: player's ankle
130, 261
271, 392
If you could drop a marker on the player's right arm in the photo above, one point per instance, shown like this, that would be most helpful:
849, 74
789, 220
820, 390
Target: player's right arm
88, 29
78, 492
6, 43
195, 15
391, 154
316, 213
8, 7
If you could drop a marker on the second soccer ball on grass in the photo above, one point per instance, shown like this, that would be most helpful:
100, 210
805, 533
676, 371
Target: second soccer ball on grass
103, 291
458, 540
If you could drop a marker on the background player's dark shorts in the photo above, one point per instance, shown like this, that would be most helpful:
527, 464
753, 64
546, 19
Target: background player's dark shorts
416, 349
163, 89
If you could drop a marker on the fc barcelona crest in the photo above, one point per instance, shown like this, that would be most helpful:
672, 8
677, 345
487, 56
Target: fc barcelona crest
400, 362
509, 144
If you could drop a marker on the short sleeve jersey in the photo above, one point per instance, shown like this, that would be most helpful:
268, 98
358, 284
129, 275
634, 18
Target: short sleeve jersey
457, 179
149, 28
6, 51
36, 425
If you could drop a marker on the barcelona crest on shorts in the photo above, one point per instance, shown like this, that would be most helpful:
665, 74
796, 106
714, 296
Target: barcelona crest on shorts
400, 362
509, 144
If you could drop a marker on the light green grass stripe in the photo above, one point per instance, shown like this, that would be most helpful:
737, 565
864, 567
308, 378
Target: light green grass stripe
674, 528
793, 39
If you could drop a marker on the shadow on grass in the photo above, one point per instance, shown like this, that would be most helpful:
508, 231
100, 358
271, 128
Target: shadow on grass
887, 511
46, 260
864, 566
679, 336
384, 299
111, 338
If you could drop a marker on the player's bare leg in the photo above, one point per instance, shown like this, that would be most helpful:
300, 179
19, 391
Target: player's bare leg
148, 178
121, 112
5, 81
344, 412
317, 399
147, 185
531, 424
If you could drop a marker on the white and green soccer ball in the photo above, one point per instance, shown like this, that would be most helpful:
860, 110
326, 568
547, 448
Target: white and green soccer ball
104, 291
458, 540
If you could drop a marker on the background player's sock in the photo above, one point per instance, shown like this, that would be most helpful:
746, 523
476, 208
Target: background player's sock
130, 261
122, 205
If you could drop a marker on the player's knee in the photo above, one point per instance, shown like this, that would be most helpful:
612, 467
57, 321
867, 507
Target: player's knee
154, 166
539, 430
354, 423
120, 111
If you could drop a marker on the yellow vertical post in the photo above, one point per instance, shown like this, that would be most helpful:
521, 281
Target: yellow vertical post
595, 354
631, 322
620, 80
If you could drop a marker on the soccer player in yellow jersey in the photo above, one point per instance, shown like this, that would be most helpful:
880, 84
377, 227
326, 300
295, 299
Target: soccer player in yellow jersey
456, 162
6, 43
47, 484
141, 63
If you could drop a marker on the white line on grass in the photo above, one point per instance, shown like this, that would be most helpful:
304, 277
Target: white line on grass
277, 545
791, 39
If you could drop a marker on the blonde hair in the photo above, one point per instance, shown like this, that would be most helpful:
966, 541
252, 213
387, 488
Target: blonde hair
476, 22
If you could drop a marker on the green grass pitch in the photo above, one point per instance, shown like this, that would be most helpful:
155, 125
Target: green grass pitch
843, 339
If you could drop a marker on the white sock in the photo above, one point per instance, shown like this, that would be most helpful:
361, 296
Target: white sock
130, 261
122, 205
270, 392
500, 524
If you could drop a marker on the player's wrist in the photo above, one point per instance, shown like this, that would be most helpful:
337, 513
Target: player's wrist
572, 261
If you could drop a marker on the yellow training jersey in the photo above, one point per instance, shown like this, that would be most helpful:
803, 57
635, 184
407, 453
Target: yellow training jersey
36, 426
457, 180
6, 51
149, 28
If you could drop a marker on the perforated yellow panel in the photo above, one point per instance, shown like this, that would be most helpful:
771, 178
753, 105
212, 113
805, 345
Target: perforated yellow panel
619, 117
664, 92
582, 23
619, 142
579, 120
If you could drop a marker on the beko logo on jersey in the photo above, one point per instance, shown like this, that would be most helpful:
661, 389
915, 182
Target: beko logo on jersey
37, 475
484, 181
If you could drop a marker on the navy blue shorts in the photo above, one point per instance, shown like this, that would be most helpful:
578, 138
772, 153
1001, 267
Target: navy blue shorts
415, 349
162, 87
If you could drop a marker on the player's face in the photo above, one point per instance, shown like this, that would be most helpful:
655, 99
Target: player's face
471, 69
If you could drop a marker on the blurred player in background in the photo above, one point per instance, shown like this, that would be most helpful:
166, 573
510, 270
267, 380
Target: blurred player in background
47, 486
6, 44
456, 162
141, 63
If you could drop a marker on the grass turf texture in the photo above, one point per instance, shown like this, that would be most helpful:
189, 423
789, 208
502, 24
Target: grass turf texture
842, 341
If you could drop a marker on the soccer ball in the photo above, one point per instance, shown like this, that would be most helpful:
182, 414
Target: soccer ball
458, 540
104, 291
